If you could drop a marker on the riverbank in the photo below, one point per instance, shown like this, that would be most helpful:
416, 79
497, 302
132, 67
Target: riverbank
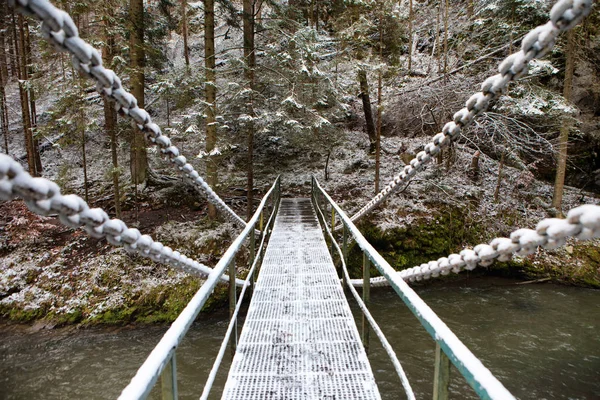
56, 276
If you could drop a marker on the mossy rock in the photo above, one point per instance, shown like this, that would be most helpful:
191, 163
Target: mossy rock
429, 238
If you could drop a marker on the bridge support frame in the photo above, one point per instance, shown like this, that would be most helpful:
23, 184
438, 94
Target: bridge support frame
366, 295
168, 380
441, 378
332, 230
345, 253
253, 252
232, 304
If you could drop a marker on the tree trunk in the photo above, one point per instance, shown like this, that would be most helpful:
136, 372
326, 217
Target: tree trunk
561, 165
211, 98
4, 117
25, 112
249, 55
470, 9
474, 168
3, 31
3, 75
110, 115
447, 5
83, 155
436, 45
139, 157
317, 15
31, 93
184, 30
366, 100
12, 47
512, 27
380, 106
410, 34
499, 182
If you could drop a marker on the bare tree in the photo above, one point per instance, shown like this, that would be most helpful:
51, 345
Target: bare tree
211, 98
410, 34
561, 165
250, 57
184, 29
379, 102
366, 101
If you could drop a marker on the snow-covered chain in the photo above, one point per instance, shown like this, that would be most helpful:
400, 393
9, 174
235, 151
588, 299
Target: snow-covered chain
582, 223
60, 30
564, 15
43, 197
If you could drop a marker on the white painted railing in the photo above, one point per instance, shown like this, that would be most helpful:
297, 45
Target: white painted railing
448, 346
162, 359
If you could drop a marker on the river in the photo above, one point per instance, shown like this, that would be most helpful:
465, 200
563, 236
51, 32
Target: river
542, 341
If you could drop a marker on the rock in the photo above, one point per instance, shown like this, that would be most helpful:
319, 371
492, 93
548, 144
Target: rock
569, 249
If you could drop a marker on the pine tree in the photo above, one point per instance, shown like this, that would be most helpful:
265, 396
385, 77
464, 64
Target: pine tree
110, 115
3, 31
139, 157
24, 95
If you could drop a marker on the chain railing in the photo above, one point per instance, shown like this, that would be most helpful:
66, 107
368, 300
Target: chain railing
448, 347
60, 30
43, 197
582, 223
565, 15
162, 360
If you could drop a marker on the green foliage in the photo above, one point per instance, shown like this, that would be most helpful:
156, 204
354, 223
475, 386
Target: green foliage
428, 239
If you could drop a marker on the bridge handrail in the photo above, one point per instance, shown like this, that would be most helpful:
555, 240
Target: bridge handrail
380, 335
233, 319
471, 368
147, 375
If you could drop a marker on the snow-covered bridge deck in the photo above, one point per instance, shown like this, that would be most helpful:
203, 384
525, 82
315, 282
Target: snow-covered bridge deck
299, 340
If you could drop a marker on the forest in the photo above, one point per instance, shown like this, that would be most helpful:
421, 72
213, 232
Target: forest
346, 91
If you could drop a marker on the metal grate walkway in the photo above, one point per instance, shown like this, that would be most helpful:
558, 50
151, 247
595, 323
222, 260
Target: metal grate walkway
299, 340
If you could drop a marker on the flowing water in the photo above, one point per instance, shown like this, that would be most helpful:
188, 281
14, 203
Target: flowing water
541, 340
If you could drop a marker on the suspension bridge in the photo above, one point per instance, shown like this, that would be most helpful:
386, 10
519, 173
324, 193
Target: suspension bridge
299, 340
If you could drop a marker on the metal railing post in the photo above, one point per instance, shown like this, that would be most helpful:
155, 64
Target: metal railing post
366, 296
441, 379
168, 380
261, 222
278, 196
232, 302
332, 230
253, 253
317, 202
345, 251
